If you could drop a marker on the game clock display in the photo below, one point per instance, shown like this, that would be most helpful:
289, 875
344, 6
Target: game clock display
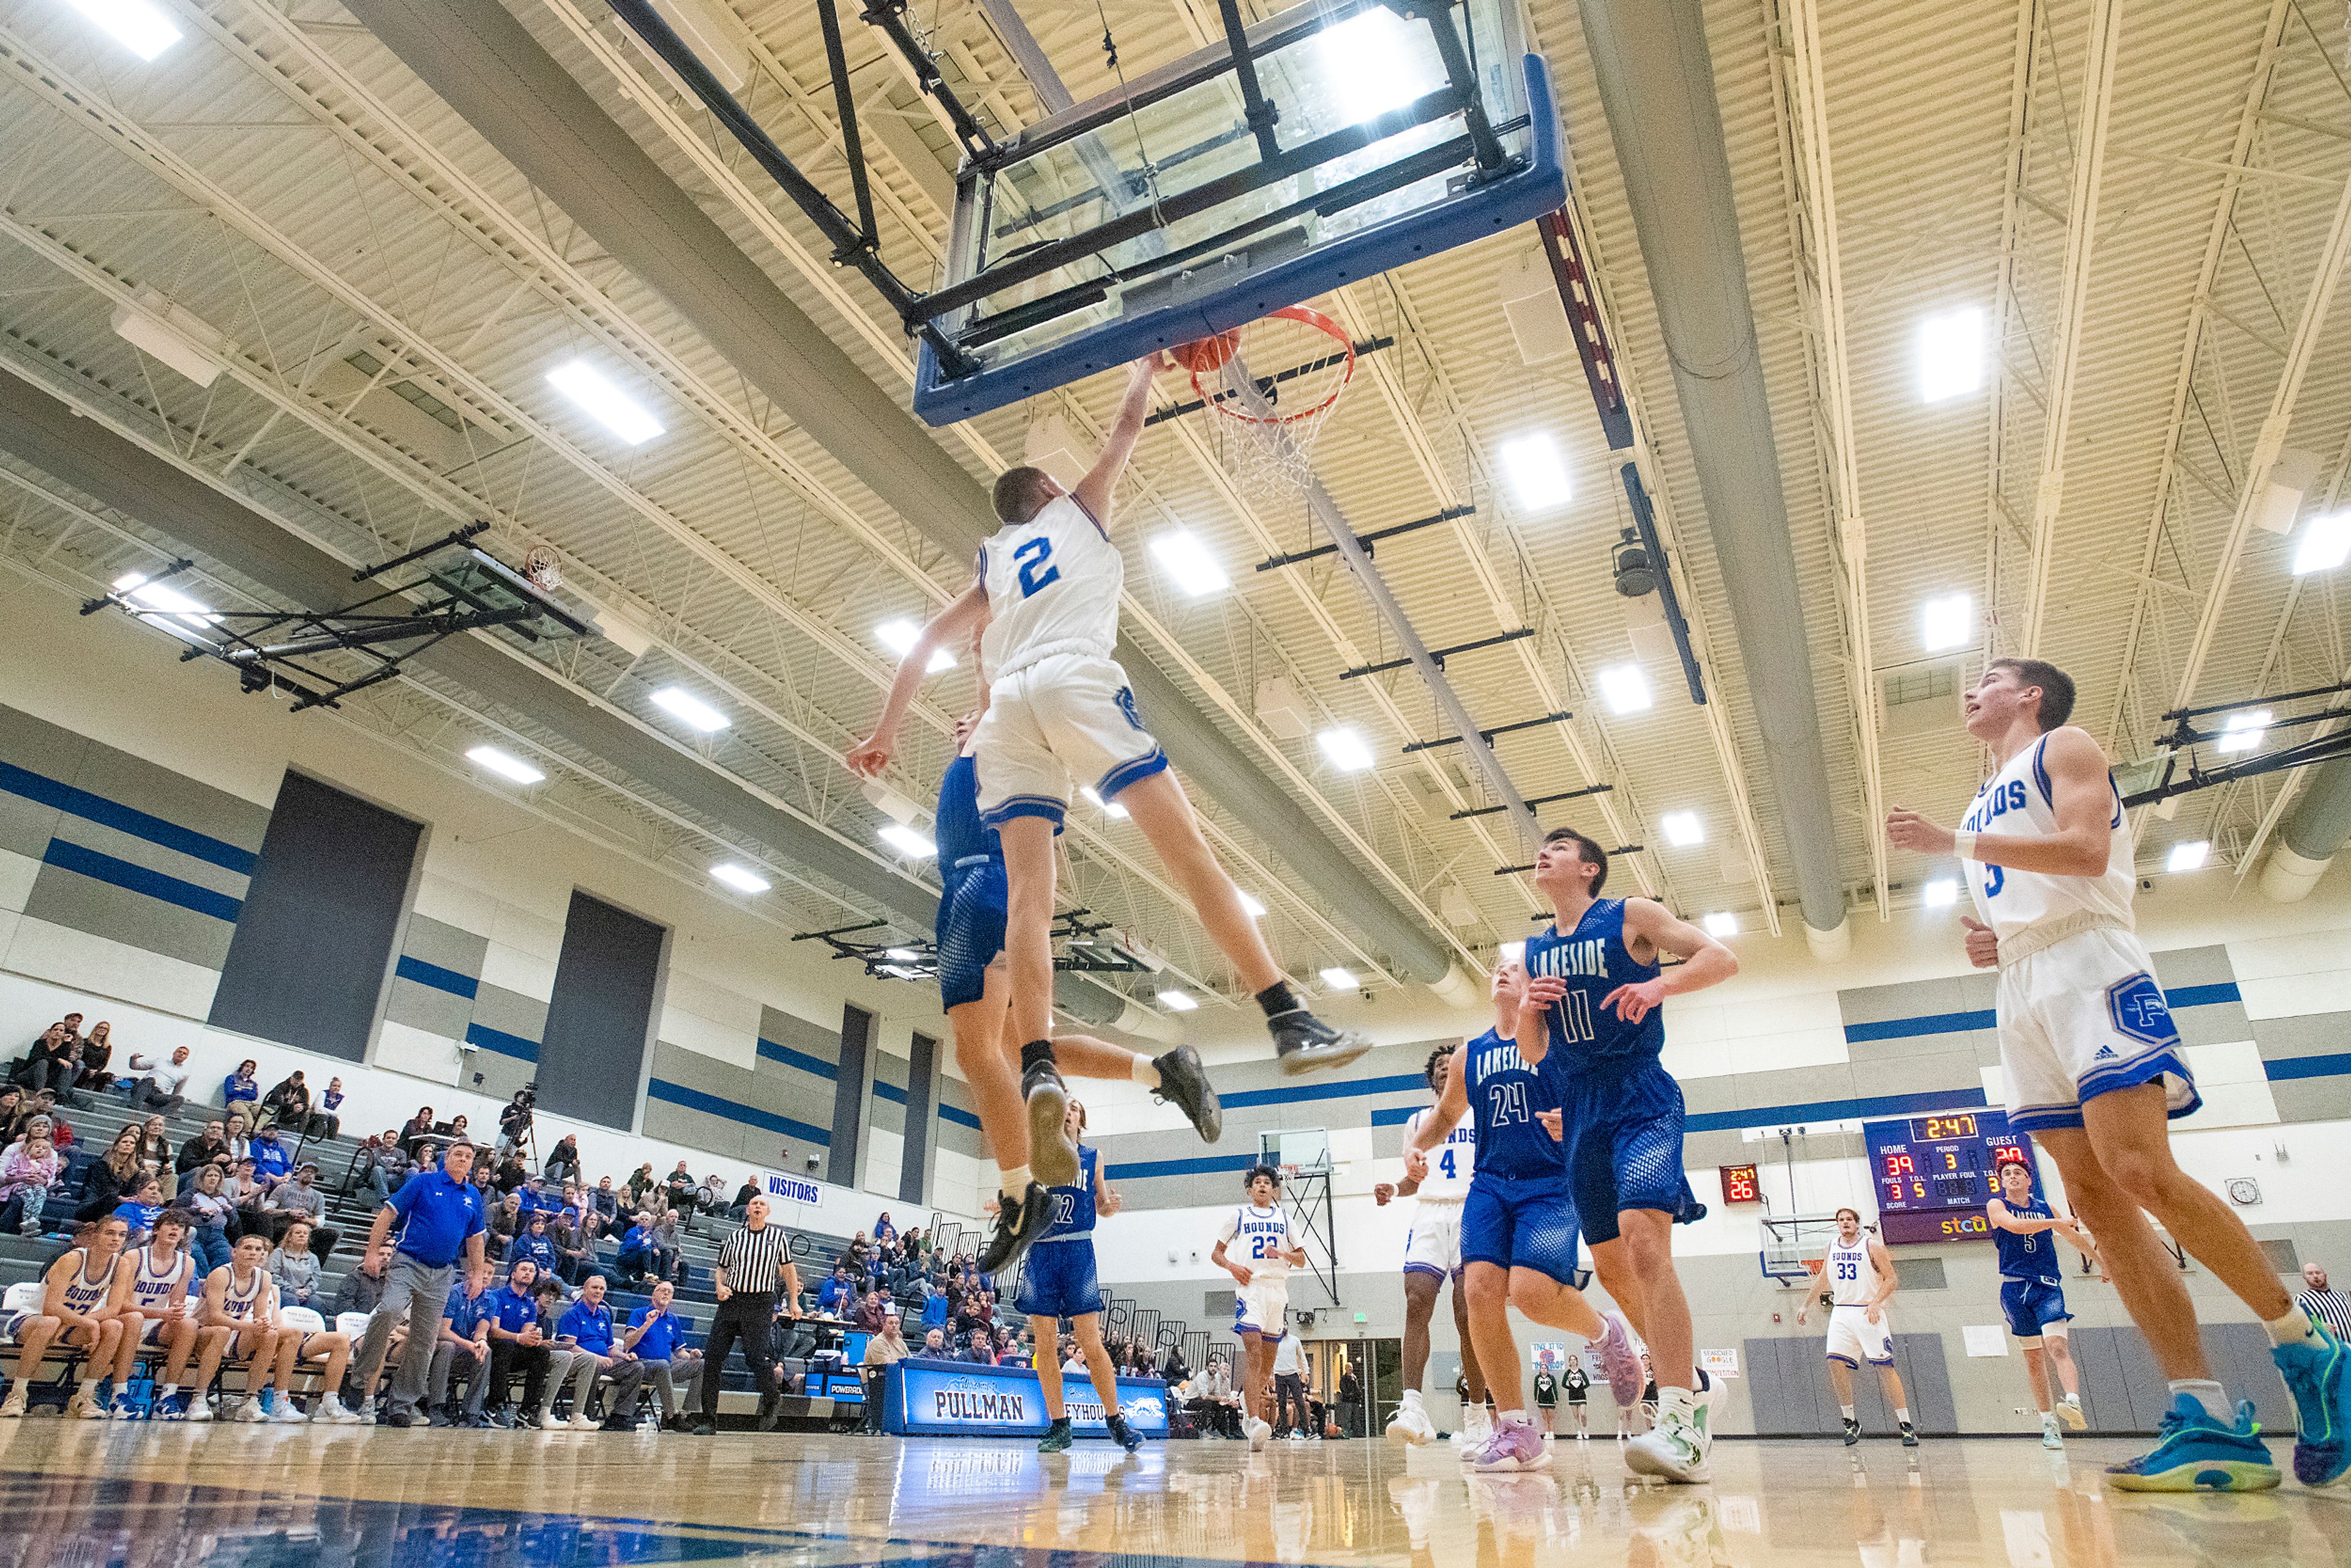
1935, 1174
1738, 1184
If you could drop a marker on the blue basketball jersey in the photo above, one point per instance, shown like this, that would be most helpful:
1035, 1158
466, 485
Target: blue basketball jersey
1069, 1215
960, 833
1594, 961
1505, 1093
2033, 1257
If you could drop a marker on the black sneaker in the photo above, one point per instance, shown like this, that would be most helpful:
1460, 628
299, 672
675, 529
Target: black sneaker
399, 1417
1058, 1437
1304, 1043
1909, 1436
703, 1428
1123, 1435
1852, 1432
1184, 1084
1053, 1152
1017, 1225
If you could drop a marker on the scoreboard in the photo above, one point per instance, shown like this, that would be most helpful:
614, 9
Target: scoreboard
1935, 1174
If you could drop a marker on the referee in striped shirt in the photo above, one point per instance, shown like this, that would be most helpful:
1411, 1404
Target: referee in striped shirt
750, 1266
2328, 1307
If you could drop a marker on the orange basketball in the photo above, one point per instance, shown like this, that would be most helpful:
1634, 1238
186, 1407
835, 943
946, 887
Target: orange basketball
1206, 353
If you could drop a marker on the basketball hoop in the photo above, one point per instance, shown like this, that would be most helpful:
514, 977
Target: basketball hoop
1289, 1174
1272, 410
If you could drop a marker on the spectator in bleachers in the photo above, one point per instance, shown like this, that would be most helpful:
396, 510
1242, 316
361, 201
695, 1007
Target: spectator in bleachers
640, 1186
934, 1306
76, 1306
679, 1187
418, 1130
531, 1244
575, 1251
205, 1148
743, 1197
288, 1104
383, 1166
511, 1172
96, 1057
27, 1171
273, 1160
586, 1352
245, 1196
362, 1287
836, 1295
669, 1249
562, 1162
656, 1338
139, 1205
156, 1152
455, 1132
934, 1344
212, 1215
886, 1229
44, 1103
482, 1183
240, 1136
636, 1258
606, 1201
710, 1198
463, 1350
518, 1342
292, 1268
52, 1062
241, 1089
326, 1119
979, 1347
440, 1218
303, 1196
163, 1085
532, 1197
110, 1177
514, 1120
12, 1113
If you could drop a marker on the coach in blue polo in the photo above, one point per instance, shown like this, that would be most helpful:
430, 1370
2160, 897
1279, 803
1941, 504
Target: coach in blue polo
440, 1215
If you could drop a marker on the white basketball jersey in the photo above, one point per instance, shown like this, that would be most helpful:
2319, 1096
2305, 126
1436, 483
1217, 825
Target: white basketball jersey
1453, 1162
2017, 803
1853, 1277
84, 1294
1053, 584
153, 1291
1255, 1238
242, 1304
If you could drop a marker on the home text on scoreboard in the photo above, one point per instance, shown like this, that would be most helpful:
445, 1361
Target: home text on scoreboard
1935, 1174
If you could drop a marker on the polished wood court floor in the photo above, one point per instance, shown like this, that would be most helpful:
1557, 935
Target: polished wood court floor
86, 1495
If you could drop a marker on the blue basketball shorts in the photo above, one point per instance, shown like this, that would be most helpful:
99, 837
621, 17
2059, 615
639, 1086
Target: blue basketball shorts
969, 931
1527, 1223
2031, 1306
1057, 1278
1624, 1130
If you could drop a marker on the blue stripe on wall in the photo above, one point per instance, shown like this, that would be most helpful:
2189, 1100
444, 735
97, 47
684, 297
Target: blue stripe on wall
1959, 1023
505, 1044
1357, 1089
2203, 996
1840, 1110
733, 1111
439, 978
124, 818
1394, 1115
799, 1059
959, 1116
1202, 1164
121, 874
890, 1091
2290, 1067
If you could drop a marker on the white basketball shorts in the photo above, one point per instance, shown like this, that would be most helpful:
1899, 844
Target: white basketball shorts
2084, 1016
1069, 717
1854, 1339
1262, 1306
1433, 1246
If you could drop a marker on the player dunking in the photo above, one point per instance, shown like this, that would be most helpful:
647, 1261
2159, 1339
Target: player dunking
1860, 1279
2031, 1291
2094, 1067
974, 992
1257, 1248
1048, 584
1623, 1114
1432, 1255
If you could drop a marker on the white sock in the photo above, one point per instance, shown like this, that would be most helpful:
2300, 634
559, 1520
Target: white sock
2207, 1392
1903, 1416
1848, 1411
1144, 1072
167, 1390
1514, 1418
2292, 1329
1012, 1181
2072, 1399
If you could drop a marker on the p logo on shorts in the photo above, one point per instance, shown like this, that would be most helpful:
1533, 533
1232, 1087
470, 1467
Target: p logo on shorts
2138, 1009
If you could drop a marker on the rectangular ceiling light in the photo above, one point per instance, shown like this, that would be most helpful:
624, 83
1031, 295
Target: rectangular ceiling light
1952, 353
1624, 688
1376, 64
171, 334
907, 842
164, 600
1948, 621
2245, 730
1722, 923
2325, 544
1537, 475
903, 955
1252, 903
1941, 894
1683, 829
1345, 749
503, 765
1110, 808
2188, 856
1177, 1002
1511, 952
742, 879
683, 704
1339, 979
137, 25
610, 407
1187, 561
898, 636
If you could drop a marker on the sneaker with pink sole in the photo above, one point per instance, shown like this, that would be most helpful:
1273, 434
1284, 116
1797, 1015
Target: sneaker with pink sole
1515, 1446
1621, 1359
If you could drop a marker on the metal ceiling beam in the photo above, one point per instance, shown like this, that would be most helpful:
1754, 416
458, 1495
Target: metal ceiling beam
1656, 76
487, 66
2072, 306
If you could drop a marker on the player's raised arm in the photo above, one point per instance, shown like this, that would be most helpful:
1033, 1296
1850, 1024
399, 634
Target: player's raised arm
1538, 994
869, 756
1095, 491
2081, 795
1704, 961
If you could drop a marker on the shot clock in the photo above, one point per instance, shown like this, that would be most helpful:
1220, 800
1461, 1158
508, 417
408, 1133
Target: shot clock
1935, 1174
1738, 1184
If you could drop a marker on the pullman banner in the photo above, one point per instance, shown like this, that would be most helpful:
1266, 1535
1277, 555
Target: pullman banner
963, 1399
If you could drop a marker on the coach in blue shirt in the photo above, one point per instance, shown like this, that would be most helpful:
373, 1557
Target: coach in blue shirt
585, 1351
440, 1215
656, 1337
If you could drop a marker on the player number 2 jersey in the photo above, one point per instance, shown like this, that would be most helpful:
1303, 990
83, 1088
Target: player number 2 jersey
1453, 1162
2018, 802
1853, 1277
1255, 1237
1053, 584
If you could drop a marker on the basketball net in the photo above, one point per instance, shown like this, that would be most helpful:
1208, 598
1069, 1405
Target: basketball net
1271, 393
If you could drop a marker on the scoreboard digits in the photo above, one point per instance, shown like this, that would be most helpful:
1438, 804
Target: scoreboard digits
1935, 1174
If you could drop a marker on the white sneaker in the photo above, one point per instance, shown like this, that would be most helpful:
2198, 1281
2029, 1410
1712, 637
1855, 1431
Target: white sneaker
249, 1410
14, 1406
1477, 1430
2070, 1412
1258, 1431
200, 1409
365, 1411
2050, 1438
1411, 1426
581, 1423
1298, 1436
332, 1410
1674, 1450
551, 1422
84, 1404
285, 1413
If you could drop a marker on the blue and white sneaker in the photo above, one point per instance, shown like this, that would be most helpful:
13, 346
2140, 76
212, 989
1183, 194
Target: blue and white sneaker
2195, 1453
2314, 1373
